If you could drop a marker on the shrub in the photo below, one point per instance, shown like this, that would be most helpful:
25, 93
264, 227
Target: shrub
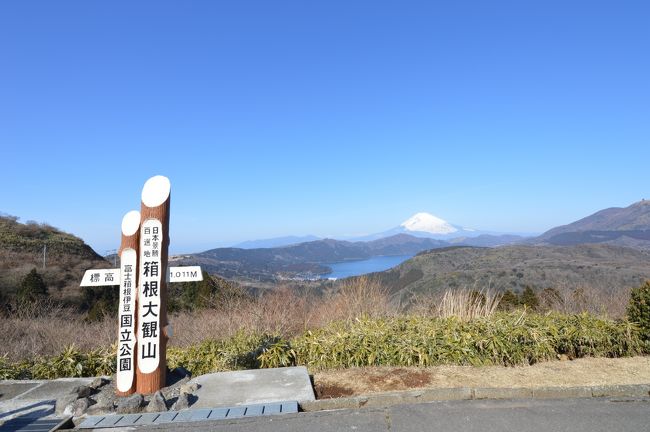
241, 351
638, 310
509, 301
74, 363
502, 339
507, 339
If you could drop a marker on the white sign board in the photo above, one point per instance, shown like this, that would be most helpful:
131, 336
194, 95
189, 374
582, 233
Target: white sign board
151, 238
101, 277
185, 274
126, 344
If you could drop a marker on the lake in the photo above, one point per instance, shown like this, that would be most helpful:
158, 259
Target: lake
356, 268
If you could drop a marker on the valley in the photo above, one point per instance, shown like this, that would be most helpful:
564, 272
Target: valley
603, 253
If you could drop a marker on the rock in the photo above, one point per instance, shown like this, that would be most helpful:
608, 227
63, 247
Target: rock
170, 392
98, 382
82, 391
106, 398
157, 403
183, 402
78, 407
100, 410
189, 387
131, 404
64, 402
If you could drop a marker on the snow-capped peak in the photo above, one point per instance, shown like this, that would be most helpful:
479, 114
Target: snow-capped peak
425, 222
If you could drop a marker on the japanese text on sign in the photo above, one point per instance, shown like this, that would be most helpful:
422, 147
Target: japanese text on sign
126, 341
149, 295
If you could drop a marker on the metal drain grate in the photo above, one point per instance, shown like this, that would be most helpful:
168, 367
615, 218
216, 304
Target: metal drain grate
96, 422
32, 424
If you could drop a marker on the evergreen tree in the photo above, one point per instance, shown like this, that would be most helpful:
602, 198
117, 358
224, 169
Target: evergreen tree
195, 295
638, 310
212, 291
100, 301
509, 301
529, 298
32, 287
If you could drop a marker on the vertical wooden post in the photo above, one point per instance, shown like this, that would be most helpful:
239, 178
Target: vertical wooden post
127, 320
152, 285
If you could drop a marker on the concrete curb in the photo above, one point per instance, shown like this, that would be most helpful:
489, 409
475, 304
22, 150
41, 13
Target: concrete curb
464, 393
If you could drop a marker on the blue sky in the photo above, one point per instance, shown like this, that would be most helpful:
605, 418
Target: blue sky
327, 118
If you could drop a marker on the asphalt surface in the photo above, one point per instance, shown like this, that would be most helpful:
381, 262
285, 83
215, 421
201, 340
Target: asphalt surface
521, 415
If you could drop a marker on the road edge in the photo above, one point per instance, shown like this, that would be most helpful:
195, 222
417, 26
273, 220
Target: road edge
376, 400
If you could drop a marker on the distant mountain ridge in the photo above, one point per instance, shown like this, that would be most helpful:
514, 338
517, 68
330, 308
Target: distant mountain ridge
275, 242
627, 226
309, 258
424, 225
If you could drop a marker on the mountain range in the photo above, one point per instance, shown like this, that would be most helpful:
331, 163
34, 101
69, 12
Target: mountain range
614, 233
601, 255
307, 259
424, 225
628, 227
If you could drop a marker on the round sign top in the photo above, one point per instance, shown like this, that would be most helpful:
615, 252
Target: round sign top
156, 191
131, 223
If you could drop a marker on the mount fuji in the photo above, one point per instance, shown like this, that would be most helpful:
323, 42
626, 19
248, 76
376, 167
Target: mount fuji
430, 225
426, 225
421, 225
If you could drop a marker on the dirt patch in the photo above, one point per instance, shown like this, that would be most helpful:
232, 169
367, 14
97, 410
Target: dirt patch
580, 372
329, 391
401, 378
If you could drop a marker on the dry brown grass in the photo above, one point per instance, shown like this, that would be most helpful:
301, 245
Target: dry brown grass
279, 312
465, 304
283, 311
47, 329
572, 300
362, 296
579, 372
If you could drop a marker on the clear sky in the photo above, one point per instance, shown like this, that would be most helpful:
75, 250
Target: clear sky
330, 118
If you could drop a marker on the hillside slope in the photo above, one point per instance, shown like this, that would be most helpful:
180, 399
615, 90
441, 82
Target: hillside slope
601, 267
628, 226
67, 257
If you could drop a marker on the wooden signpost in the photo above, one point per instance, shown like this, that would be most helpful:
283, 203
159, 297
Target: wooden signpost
127, 321
143, 328
152, 295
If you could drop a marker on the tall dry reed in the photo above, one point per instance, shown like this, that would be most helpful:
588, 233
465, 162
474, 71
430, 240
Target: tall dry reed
46, 328
465, 304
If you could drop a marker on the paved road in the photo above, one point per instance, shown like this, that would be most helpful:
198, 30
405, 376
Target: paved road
523, 415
